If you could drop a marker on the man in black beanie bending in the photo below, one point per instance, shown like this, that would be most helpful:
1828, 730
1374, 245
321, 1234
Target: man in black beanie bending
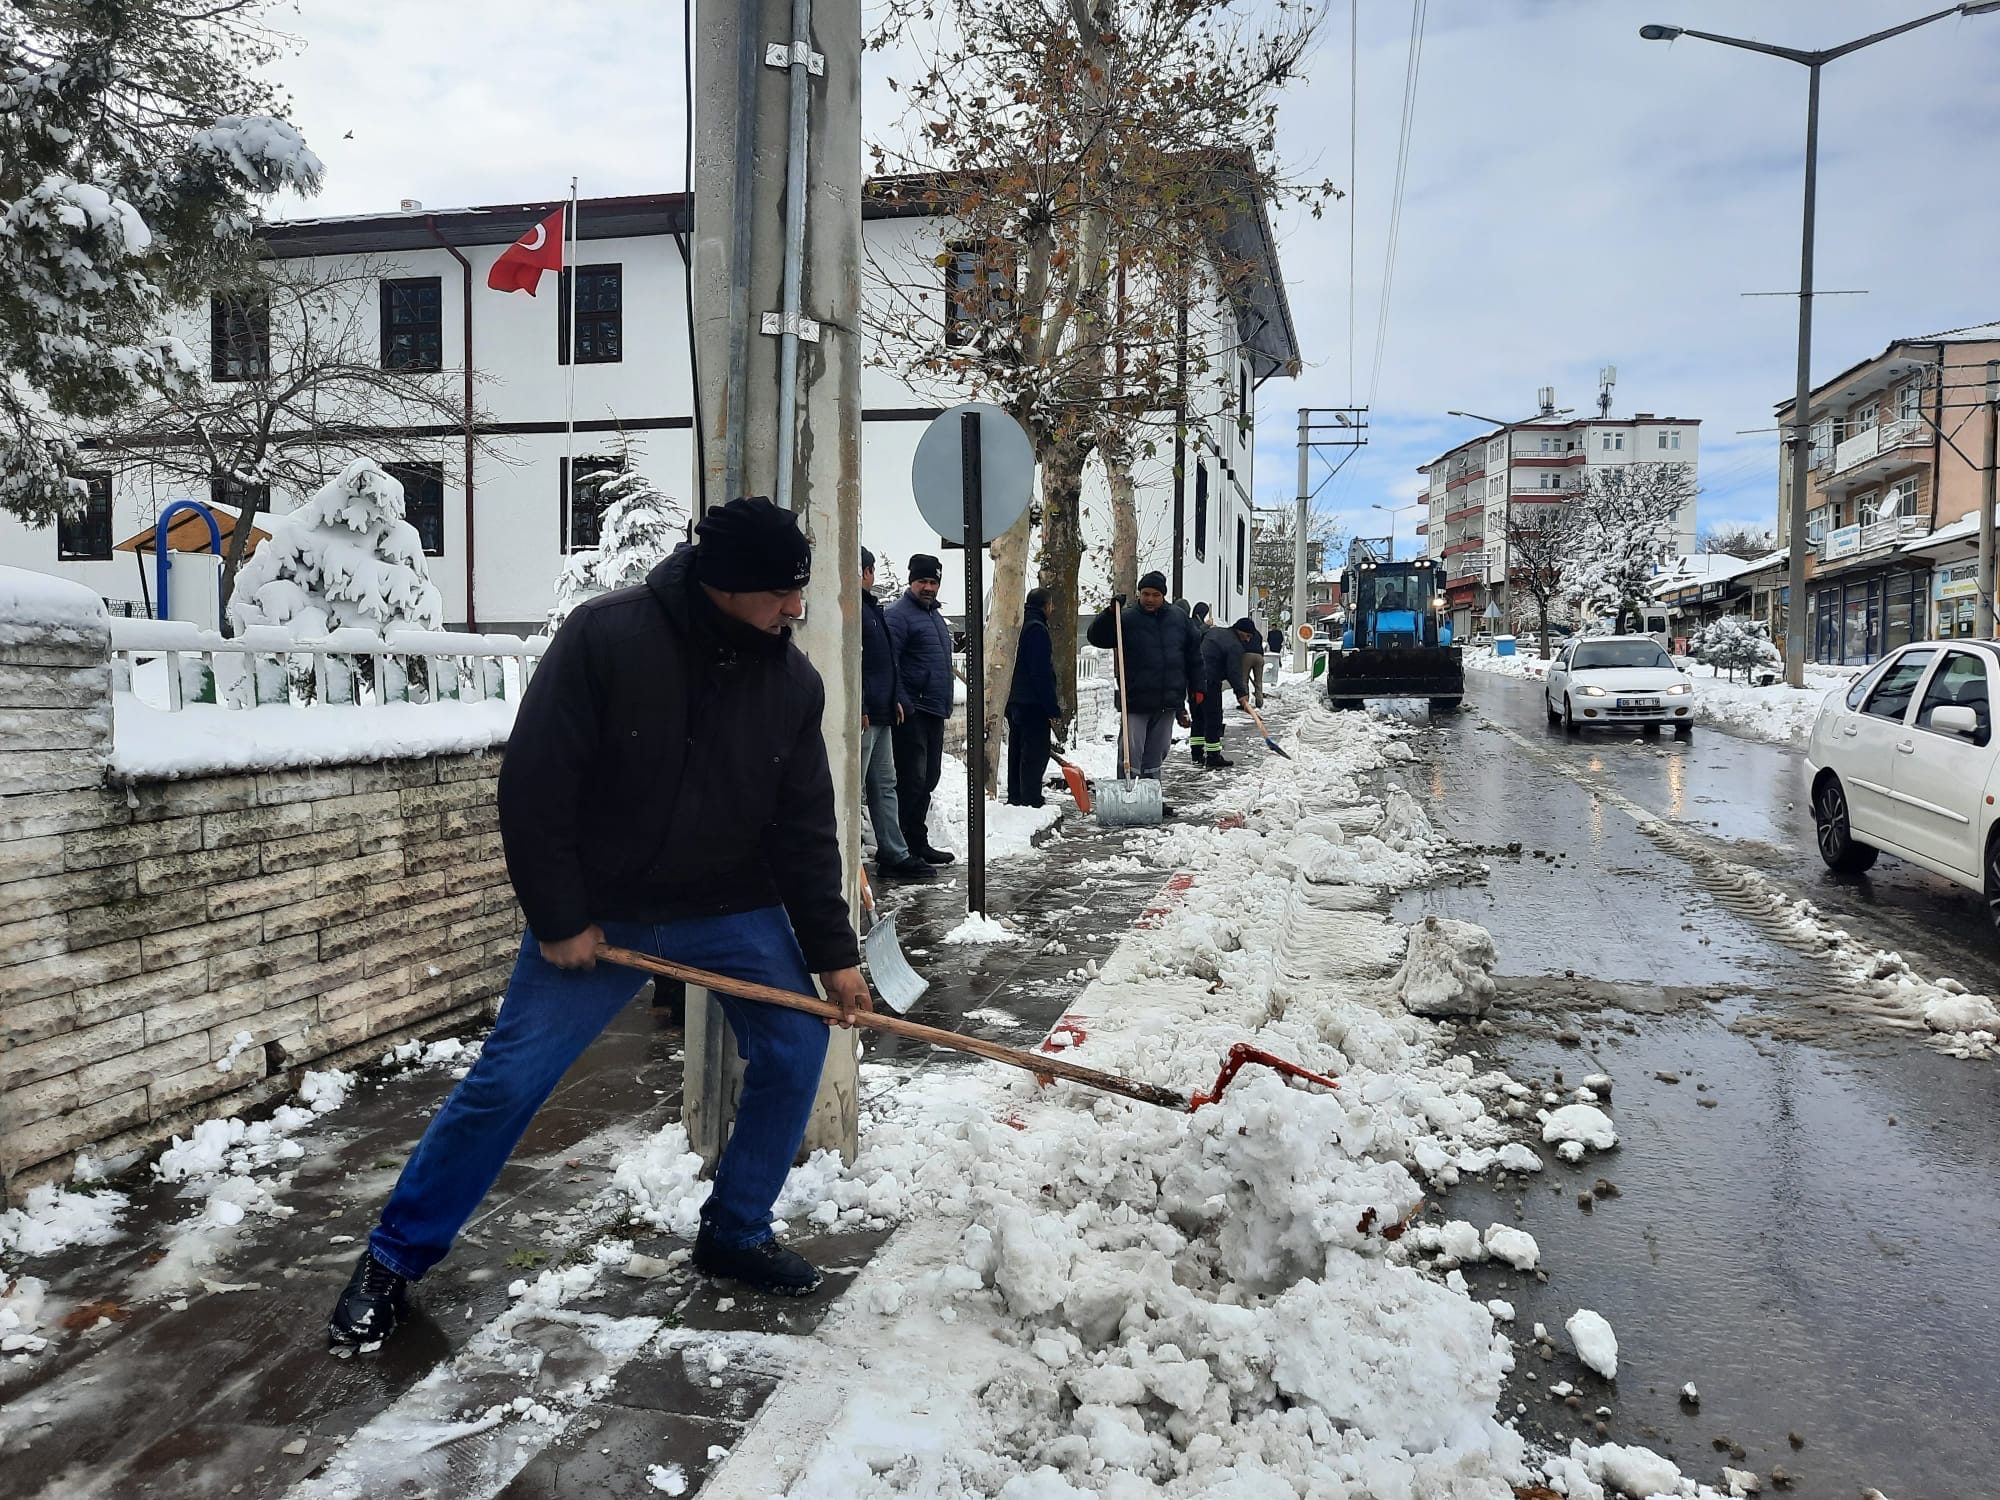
665, 788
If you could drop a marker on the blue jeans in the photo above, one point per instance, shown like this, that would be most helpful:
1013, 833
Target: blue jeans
878, 776
551, 1015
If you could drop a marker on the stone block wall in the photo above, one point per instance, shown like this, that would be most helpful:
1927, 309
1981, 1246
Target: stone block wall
144, 926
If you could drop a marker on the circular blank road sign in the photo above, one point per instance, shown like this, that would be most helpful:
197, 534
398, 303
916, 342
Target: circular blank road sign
1006, 472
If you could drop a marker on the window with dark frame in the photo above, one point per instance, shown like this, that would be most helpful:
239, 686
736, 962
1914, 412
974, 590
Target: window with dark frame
1200, 509
1242, 403
600, 315
413, 324
1242, 550
582, 514
423, 501
978, 291
86, 536
239, 335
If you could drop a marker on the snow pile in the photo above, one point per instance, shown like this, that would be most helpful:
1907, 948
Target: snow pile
52, 1218
20, 1314
1596, 1344
151, 744
661, 1185
36, 606
1780, 713
1096, 1296
1962, 1013
980, 928
1448, 969
1525, 662
1635, 1470
1010, 830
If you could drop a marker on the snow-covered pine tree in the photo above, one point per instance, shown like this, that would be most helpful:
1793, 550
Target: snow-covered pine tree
1733, 643
135, 137
639, 528
888, 580
346, 558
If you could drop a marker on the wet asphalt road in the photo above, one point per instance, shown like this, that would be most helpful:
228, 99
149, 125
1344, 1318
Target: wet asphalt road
1807, 1213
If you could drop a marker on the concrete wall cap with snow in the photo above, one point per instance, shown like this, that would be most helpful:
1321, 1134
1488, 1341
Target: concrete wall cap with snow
36, 604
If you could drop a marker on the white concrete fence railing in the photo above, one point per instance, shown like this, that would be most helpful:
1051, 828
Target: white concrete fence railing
170, 663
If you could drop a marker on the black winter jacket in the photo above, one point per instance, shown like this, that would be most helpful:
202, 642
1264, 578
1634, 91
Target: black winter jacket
1035, 667
1222, 653
667, 763
923, 655
881, 687
1162, 655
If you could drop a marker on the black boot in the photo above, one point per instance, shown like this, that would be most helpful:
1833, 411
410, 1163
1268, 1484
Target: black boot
1217, 760
371, 1307
1195, 751
768, 1267
932, 856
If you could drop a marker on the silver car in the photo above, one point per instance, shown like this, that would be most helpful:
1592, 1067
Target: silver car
1616, 681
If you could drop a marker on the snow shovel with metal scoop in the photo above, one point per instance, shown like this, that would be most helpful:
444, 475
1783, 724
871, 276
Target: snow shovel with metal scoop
1254, 719
1043, 1066
1135, 801
899, 985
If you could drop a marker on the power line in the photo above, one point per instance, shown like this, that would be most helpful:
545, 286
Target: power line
1412, 68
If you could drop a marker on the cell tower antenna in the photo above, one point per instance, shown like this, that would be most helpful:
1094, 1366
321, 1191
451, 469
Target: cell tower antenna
1606, 379
1545, 398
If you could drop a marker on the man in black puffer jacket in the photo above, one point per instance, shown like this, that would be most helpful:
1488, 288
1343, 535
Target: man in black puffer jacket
923, 661
665, 788
1225, 656
1162, 661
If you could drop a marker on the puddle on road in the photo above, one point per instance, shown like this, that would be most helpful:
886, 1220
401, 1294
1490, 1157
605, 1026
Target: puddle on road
1808, 1265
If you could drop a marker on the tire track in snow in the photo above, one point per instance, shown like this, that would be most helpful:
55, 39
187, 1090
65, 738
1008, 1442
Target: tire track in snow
1867, 982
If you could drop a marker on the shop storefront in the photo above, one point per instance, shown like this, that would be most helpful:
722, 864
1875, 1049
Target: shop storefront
1955, 591
1855, 620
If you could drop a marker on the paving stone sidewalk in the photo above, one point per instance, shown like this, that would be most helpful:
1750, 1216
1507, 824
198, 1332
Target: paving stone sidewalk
232, 1393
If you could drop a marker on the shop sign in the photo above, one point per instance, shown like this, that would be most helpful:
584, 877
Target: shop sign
1959, 581
1710, 592
1843, 543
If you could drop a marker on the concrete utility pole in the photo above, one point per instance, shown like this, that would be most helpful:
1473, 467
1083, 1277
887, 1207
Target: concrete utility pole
1983, 616
768, 181
1299, 542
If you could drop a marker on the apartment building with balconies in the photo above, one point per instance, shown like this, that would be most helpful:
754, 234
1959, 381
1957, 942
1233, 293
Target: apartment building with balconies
1475, 488
1893, 479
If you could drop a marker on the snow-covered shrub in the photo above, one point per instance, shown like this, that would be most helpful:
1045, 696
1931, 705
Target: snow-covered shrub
640, 526
1733, 643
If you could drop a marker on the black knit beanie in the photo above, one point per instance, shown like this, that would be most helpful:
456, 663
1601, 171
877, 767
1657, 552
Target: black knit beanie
923, 566
1154, 580
1245, 625
752, 546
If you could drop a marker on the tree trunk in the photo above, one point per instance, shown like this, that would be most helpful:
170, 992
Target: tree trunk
1062, 554
1008, 559
1544, 607
233, 555
1124, 526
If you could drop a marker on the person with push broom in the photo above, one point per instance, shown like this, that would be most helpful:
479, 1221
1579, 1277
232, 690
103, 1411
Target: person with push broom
665, 790
1224, 661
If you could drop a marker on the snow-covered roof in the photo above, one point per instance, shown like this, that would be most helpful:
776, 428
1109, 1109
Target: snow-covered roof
1711, 567
1964, 529
1978, 333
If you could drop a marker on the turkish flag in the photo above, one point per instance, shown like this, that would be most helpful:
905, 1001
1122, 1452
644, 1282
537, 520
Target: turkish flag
520, 266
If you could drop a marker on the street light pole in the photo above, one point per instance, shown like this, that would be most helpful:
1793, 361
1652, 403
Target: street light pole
1395, 511
1801, 424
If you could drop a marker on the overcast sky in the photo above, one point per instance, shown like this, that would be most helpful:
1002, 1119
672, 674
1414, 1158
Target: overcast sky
1576, 197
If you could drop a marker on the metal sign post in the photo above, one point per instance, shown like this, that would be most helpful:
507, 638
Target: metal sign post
972, 474
969, 479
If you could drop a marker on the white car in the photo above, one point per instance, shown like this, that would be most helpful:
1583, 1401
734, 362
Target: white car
1904, 761
1606, 681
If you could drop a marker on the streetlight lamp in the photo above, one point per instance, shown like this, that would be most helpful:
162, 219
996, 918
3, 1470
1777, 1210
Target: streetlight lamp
1396, 510
1812, 61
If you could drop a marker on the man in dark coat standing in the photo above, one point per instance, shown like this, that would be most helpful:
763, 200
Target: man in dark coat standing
1032, 705
665, 788
923, 661
882, 709
1224, 662
1162, 660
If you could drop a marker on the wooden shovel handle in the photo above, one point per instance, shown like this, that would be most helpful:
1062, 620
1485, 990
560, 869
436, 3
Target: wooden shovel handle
1031, 1062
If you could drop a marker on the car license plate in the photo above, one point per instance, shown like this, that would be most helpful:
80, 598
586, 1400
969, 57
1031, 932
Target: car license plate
1638, 702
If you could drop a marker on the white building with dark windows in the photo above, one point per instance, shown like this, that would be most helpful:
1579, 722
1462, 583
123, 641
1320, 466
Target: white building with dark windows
1473, 490
497, 527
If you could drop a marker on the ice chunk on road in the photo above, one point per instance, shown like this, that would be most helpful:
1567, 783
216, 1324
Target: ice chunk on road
1515, 1246
979, 929
1502, 1310
1962, 1013
1447, 969
1515, 1157
1584, 1123
1635, 1470
1460, 1241
1597, 1346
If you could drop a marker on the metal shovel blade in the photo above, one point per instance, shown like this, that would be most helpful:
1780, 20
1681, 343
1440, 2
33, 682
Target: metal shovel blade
1129, 804
897, 984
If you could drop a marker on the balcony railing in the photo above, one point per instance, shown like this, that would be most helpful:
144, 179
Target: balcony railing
1854, 541
1874, 441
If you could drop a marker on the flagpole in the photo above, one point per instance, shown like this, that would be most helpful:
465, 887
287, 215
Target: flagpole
568, 273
